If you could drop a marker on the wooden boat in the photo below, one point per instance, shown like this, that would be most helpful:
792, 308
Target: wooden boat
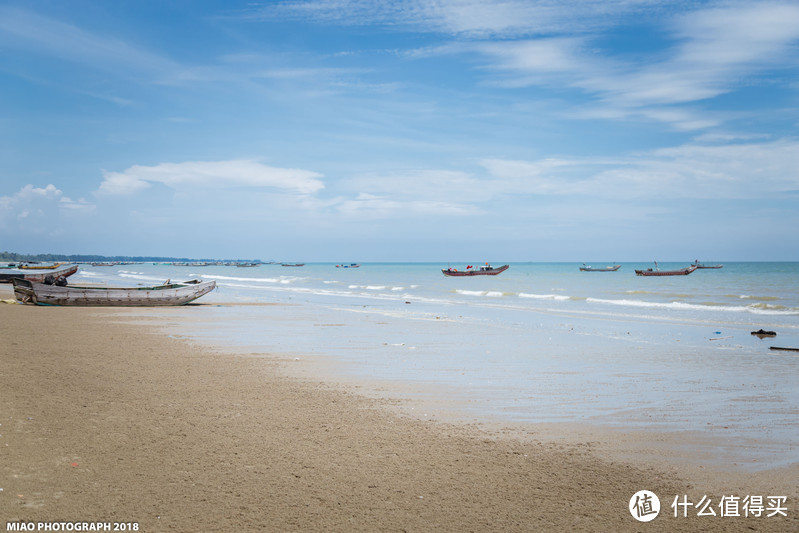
586, 268
39, 266
679, 272
485, 270
167, 294
700, 265
292, 264
38, 275
351, 265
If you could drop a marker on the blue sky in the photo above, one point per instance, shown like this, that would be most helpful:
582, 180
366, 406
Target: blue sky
350, 130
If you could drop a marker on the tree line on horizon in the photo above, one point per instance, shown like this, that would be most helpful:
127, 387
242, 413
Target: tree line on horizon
13, 257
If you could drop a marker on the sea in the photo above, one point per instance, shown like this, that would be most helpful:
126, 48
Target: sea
538, 343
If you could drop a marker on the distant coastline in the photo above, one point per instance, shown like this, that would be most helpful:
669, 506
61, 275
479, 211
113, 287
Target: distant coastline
13, 257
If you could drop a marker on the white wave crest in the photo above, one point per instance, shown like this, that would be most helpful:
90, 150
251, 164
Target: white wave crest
758, 309
559, 297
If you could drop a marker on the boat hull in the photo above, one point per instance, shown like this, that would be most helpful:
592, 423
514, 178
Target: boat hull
680, 272
6, 275
613, 268
160, 295
40, 267
466, 273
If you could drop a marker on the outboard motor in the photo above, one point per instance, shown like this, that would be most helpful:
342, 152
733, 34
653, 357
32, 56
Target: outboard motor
49, 279
61, 281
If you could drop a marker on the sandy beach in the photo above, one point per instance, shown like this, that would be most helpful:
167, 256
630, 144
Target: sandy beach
108, 419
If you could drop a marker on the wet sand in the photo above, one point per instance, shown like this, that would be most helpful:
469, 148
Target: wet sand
105, 418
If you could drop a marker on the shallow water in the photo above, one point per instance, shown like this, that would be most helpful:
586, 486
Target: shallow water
538, 343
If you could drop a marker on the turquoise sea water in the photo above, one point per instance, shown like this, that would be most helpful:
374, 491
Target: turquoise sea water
541, 342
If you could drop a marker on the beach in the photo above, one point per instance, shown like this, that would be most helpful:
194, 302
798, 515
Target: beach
108, 418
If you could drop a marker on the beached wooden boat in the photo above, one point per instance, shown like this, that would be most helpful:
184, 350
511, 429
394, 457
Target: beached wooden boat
587, 268
30, 274
167, 294
679, 272
485, 270
700, 265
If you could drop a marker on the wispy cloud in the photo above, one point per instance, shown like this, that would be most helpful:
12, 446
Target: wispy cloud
27, 30
712, 51
472, 18
210, 175
691, 171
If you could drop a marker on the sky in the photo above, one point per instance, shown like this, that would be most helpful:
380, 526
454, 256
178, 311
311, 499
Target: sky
401, 130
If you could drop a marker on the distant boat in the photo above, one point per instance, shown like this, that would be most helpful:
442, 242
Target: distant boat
657, 272
104, 264
351, 265
587, 268
700, 265
30, 274
243, 265
292, 264
36, 266
485, 270
167, 294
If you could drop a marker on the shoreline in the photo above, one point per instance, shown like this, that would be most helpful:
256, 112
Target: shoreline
106, 418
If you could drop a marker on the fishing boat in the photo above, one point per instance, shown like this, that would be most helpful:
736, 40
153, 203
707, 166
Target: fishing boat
701, 265
588, 268
657, 272
39, 266
351, 265
30, 274
167, 294
292, 264
485, 270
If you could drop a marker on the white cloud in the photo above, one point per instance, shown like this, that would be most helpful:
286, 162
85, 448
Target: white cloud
424, 183
210, 174
699, 171
38, 210
372, 206
691, 171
